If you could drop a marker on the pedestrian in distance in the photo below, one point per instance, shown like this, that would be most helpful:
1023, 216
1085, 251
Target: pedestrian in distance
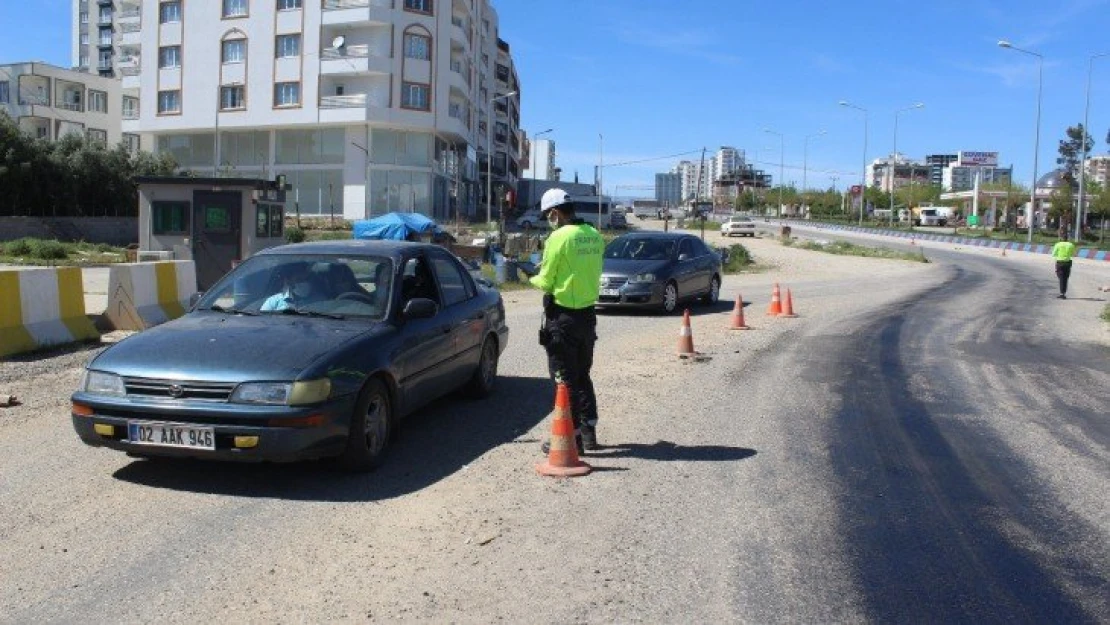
1063, 252
570, 278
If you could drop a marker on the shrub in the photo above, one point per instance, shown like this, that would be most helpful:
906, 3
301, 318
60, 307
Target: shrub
294, 235
19, 247
738, 258
49, 250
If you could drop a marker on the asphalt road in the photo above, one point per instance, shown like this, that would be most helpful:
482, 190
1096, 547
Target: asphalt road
926, 443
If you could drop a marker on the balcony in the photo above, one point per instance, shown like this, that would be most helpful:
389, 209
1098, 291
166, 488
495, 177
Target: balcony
356, 12
129, 15
352, 61
354, 100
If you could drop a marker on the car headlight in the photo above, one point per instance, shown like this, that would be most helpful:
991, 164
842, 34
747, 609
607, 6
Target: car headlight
282, 393
642, 278
101, 383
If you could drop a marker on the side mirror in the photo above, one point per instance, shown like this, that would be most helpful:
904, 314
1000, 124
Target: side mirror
420, 308
194, 298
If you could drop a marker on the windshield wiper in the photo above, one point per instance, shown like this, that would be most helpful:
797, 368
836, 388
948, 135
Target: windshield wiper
310, 313
232, 311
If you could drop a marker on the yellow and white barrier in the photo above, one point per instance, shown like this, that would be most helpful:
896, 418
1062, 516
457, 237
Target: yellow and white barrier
141, 295
42, 307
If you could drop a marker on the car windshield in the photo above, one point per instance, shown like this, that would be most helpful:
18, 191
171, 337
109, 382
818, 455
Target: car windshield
640, 248
310, 284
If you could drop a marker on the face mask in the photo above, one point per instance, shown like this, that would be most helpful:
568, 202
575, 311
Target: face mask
552, 220
302, 289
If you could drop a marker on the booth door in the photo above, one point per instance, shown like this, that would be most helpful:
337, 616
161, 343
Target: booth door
217, 231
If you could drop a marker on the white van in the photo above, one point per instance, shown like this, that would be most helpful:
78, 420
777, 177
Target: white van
585, 208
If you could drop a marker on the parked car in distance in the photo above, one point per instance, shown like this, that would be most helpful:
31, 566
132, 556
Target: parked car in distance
742, 226
658, 270
303, 351
618, 221
531, 219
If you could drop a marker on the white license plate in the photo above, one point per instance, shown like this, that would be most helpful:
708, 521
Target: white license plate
171, 435
611, 292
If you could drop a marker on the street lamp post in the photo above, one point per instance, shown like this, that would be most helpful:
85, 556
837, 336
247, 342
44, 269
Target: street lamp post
1037, 134
805, 164
1083, 159
863, 172
489, 154
366, 186
894, 157
782, 148
600, 174
532, 165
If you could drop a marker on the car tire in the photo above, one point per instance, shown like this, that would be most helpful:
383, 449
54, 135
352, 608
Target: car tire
714, 294
370, 430
481, 384
670, 297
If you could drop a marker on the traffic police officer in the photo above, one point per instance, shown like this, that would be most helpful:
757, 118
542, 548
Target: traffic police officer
570, 276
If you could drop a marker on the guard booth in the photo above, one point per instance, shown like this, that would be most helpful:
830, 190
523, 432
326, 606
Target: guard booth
215, 222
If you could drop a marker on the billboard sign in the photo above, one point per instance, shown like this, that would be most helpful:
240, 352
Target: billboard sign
978, 159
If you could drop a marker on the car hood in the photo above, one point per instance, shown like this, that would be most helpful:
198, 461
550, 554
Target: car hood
217, 347
621, 267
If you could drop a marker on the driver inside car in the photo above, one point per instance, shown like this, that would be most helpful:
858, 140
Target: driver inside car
297, 290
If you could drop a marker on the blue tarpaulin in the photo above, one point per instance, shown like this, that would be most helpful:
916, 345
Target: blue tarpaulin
396, 226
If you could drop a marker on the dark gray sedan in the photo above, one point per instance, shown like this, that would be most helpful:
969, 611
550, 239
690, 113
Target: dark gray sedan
658, 270
303, 351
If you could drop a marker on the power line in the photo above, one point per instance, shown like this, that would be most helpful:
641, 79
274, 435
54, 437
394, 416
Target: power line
656, 158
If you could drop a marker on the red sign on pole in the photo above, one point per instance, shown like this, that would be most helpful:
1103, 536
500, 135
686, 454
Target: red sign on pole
856, 189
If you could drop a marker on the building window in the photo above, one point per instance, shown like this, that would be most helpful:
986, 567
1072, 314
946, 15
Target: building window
105, 36
98, 101
169, 102
105, 59
84, 17
169, 217
132, 141
287, 94
84, 62
234, 51
288, 5
84, 39
97, 135
169, 57
105, 15
5, 94
169, 12
235, 8
415, 96
130, 107
418, 47
419, 6
233, 97
287, 46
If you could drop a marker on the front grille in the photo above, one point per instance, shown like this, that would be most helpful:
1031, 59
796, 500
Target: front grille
613, 282
178, 389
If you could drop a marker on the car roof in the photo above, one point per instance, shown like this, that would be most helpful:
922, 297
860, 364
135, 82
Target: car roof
377, 247
653, 235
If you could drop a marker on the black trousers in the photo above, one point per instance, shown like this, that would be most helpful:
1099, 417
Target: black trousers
1063, 272
569, 337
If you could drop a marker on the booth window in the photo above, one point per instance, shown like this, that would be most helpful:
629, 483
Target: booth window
277, 221
262, 229
217, 219
169, 217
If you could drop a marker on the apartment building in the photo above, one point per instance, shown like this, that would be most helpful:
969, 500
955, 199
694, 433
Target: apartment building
1097, 170
366, 106
541, 161
726, 161
668, 188
936, 164
50, 102
897, 171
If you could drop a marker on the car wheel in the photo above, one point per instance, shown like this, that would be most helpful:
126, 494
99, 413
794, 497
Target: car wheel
714, 293
370, 430
485, 376
670, 297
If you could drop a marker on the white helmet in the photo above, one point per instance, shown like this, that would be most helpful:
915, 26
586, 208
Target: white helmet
553, 198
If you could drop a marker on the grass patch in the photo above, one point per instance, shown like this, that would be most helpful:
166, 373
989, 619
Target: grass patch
844, 248
31, 251
740, 260
1106, 313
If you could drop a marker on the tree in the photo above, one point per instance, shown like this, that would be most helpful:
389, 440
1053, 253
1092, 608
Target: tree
1072, 148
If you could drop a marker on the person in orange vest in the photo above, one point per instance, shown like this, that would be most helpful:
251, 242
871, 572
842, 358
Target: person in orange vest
1063, 252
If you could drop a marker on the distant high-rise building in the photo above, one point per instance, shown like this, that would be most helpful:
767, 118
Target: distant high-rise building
541, 164
668, 188
1098, 170
726, 161
936, 164
960, 174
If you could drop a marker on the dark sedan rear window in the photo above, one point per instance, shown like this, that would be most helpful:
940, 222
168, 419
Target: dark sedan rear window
640, 248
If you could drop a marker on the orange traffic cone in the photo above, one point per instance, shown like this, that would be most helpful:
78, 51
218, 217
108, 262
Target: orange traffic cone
776, 302
686, 337
562, 459
738, 315
788, 310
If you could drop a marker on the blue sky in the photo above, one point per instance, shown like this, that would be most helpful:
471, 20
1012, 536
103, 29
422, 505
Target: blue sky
659, 78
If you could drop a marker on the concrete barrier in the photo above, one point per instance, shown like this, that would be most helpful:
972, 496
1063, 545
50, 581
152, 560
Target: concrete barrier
42, 307
142, 295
